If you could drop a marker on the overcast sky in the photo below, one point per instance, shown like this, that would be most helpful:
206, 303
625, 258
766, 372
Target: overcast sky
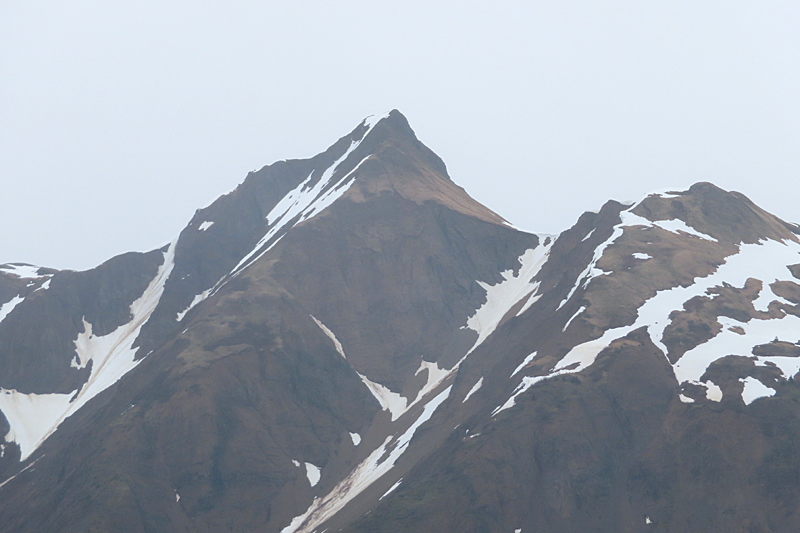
119, 118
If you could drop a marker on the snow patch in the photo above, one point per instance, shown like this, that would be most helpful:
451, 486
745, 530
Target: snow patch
205, 225
754, 389
713, 392
313, 473
356, 438
34, 417
197, 299
579, 311
523, 364
333, 194
435, 376
527, 383
22, 270
390, 401
685, 399
373, 120
9, 306
679, 226
642, 256
475, 388
500, 298
789, 366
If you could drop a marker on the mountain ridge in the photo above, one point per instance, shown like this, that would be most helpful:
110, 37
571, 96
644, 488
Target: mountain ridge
352, 342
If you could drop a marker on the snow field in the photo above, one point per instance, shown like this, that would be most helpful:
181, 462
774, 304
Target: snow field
766, 261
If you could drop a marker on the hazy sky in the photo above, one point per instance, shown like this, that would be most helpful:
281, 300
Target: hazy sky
119, 118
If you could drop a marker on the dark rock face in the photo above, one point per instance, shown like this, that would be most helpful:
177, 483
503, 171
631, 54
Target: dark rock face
350, 342
37, 338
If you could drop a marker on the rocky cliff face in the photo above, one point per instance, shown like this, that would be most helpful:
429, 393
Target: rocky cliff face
350, 342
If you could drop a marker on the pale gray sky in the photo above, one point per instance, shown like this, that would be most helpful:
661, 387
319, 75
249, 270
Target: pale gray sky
118, 119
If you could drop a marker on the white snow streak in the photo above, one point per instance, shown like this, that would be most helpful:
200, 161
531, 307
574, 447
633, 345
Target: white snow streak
306, 202
197, 299
579, 311
365, 474
523, 364
9, 306
331, 336
527, 383
21, 471
475, 388
391, 489
333, 194
500, 298
34, 417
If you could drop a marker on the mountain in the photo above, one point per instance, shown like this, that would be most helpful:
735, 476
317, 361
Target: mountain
352, 343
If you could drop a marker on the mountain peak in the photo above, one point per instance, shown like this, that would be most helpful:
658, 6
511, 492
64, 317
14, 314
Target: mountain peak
399, 163
393, 128
728, 215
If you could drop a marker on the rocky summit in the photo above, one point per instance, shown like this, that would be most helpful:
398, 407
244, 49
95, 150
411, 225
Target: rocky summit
352, 343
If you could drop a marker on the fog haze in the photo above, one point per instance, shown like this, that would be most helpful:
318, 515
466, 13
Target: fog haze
119, 119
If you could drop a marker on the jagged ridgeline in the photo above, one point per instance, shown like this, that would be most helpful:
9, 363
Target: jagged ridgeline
351, 343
